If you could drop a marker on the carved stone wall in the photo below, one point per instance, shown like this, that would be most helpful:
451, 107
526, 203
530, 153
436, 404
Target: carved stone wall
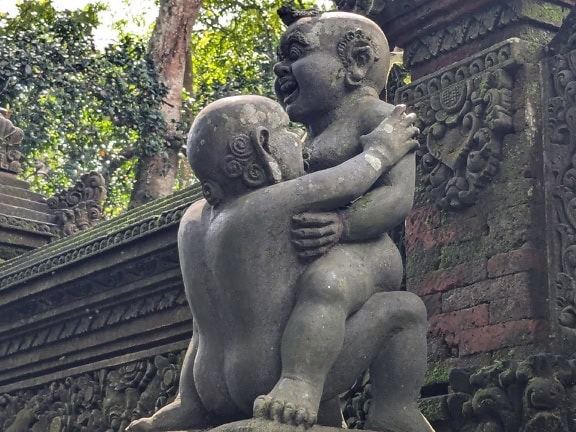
477, 238
103, 297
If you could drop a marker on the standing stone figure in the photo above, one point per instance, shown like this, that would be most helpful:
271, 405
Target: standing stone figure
281, 332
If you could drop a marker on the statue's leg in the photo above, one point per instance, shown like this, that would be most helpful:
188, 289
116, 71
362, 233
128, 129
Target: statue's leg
186, 411
330, 289
330, 413
388, 334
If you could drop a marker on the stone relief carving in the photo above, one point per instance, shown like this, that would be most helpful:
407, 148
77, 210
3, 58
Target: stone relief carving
560, 149
10, 141
94, 319
100, 401
464, 113
26, 225
535, 395
464, 30
80, 207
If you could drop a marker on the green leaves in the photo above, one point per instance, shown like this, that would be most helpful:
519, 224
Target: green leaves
81, 109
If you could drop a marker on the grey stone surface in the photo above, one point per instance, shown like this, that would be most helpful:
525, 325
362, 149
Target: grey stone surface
291, 277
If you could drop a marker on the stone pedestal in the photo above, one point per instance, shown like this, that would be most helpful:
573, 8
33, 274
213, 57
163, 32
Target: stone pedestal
25, 219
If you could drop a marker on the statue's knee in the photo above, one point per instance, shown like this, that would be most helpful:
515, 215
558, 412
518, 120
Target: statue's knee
322, 287
414, 309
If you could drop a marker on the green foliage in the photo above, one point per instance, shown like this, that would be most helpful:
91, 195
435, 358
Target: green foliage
81, 109
234, 48
86, 109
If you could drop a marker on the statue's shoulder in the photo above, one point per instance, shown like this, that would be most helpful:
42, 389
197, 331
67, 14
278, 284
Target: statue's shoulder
194, 217
372, 112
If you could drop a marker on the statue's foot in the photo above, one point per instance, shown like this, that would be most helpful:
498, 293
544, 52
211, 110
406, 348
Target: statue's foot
140, 425
291, 401
172, 417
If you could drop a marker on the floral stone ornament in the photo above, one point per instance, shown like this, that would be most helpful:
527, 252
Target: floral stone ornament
464, 111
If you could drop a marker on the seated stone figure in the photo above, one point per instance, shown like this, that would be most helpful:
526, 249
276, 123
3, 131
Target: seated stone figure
242, 278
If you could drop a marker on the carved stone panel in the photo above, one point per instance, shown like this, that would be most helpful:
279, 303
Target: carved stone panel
535, 395
10, 141
105, 400
80, 207
560, 171
464, 112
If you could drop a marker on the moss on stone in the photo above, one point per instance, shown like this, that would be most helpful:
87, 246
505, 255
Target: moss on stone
437, 372
546, 12
433, 409
453, 255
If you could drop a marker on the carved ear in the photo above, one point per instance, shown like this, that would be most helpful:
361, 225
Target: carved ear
361, 58
261, 139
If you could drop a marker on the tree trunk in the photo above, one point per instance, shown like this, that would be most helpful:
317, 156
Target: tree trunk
168, 47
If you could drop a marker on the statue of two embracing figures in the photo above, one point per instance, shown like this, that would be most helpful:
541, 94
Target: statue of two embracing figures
291, 276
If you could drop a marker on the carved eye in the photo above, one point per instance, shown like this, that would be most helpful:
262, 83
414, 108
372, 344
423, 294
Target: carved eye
280, 55
295, 52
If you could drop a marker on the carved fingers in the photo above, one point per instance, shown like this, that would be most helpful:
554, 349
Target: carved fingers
394, 136
313, 234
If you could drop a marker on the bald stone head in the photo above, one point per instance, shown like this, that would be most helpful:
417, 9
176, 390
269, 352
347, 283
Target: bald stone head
322, 58
240, 143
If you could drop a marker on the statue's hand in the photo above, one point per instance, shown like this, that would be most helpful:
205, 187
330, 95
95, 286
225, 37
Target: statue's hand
314, 233
394, 136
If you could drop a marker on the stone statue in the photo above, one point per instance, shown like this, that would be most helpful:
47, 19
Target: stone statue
282, 333
243, 279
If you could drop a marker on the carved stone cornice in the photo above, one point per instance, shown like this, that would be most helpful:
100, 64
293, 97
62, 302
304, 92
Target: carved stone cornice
435, 33
464, 111
101, 238
459, 32
93, 320
20, 224
80, 207
10, 141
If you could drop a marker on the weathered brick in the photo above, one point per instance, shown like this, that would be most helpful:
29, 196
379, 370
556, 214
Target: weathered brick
515, 261
423, 218
437, 348
498, 336
516, 285
430, 239
421, 262
426, 236
433, 304
460, 253
457, 321
516, 307
447, 279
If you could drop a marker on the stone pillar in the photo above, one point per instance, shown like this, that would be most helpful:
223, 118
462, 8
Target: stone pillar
559, 126
476, 239
25, 219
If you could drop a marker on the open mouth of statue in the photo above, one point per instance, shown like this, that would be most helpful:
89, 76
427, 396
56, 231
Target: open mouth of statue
288, 90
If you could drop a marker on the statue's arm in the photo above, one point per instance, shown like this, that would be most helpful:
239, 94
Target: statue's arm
384, 207
328, 189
